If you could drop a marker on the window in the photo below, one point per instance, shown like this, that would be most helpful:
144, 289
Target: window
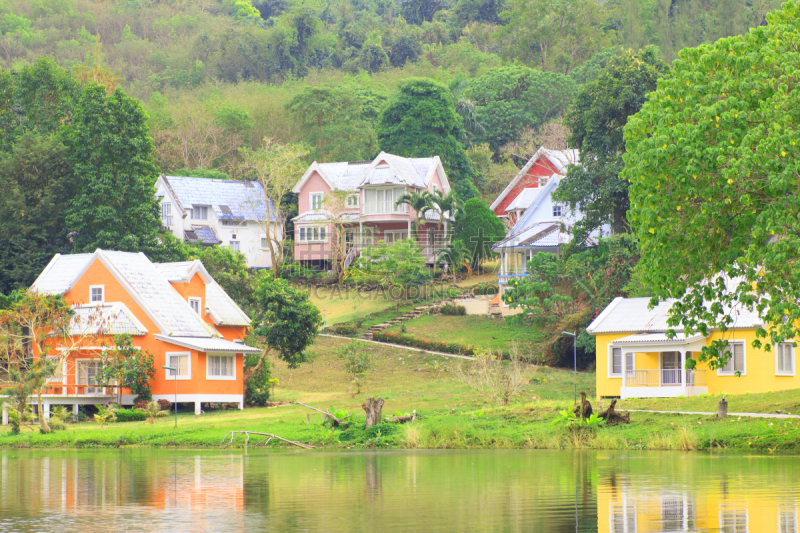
390, 237
616, 362
383, 201
787, 520
87, 375
630, 362
181, 362
166, 214
556, 210
351, 201
235, 246
199, 212
784, 359
96, 294
194, 303
732, 519
226, 222
313, 234
221, 367
736, 361
623, 516
316, 200
264, 243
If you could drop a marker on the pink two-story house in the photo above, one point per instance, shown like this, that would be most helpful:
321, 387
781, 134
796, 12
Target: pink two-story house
370, 210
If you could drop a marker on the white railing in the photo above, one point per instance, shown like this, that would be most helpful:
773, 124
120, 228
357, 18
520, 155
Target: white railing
663, 378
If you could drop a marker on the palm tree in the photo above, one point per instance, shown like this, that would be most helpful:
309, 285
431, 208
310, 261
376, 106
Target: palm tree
457, 254
444, 203
466, 108
419, 202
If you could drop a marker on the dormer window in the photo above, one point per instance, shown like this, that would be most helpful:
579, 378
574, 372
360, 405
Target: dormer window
194, 303
97, 294
200, 212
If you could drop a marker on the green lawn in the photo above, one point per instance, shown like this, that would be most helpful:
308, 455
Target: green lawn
343, 305
787, 401
473, 330
454, 416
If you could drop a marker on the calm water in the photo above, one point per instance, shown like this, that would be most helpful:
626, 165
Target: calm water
530, 491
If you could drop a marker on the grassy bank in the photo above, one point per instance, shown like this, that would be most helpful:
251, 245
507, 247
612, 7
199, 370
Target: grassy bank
454, 416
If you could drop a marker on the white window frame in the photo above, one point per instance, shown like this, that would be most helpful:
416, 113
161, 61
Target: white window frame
376, 207
351, 205
726, 511
236, 246
166, 214
790, 511
309, 230
311, 196
78, 363
265, 243
560, 211
102, 299
611, 373
208, 366
395, 233
199, 309
721, 372
197, 209
791, 356
188, 366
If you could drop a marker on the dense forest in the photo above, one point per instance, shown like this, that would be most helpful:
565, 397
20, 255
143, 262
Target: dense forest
217, 76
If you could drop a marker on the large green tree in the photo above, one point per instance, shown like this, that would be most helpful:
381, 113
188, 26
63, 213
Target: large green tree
479, 229
510, 99
420, 120
714, 165
597, 118
112, 154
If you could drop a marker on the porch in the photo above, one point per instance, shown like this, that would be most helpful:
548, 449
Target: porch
73, 395
654, 366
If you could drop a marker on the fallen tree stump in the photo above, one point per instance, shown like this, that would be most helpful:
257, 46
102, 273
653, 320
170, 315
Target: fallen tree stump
269, 436
613, 418
404, 418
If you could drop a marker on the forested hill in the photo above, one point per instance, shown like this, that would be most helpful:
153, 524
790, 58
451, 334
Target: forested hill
219, 75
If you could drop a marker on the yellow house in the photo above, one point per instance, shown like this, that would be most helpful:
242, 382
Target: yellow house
635, 359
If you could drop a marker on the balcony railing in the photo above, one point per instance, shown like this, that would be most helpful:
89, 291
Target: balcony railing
383, 208
664, 378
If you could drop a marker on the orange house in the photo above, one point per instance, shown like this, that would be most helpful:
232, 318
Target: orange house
176, 311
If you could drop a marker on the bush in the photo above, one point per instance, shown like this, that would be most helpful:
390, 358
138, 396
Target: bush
453, 310
141, 404
484, 289
410, 340
164, 405
343, 329
131, 415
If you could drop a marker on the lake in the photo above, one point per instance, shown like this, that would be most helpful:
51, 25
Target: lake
496, 490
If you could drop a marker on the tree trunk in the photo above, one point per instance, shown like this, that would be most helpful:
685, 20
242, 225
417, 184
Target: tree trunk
249, 373
373, 408
722, 410
43, 427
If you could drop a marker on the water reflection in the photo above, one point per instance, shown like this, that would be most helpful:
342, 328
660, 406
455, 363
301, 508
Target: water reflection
539, 491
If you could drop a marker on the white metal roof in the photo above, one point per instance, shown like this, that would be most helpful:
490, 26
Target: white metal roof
544, 234
61, 272
524, 199
209, 345
656, 338
111, 319
632, 315
224, 311
321, 216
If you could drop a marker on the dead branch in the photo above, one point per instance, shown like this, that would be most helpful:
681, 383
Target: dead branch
269, 436
403, 419
327, 414
613, 418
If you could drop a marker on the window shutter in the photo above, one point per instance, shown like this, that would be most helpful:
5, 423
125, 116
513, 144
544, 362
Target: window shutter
738, 357
616, 361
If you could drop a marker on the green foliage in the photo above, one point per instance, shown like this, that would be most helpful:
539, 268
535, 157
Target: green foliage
510, 99
285, 319
479, 229
597, 118
420, 120
229, 268
105, 414
713, 164
358, 362
569, 421
131, 415
453, 310
153, 410
259, 386
128, 366
344, 329
398, 266
411, 340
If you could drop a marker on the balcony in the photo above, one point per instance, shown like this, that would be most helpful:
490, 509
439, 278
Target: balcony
383, 208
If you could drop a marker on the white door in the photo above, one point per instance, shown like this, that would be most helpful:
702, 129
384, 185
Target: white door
670, 368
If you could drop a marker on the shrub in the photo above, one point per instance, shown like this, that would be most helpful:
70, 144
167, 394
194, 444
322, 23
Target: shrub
484, 289
410, 340
343, 329
141, 404
132, 415
164, 405
453, 310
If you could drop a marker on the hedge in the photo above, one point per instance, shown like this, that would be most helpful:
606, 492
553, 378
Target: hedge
344, 329
131, 415
410, 340
453, 310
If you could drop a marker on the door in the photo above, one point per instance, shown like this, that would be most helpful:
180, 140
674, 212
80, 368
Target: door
670, 368
87, 375
349, 240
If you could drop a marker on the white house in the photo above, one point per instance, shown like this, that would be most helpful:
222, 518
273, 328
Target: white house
218, 213
543, 226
